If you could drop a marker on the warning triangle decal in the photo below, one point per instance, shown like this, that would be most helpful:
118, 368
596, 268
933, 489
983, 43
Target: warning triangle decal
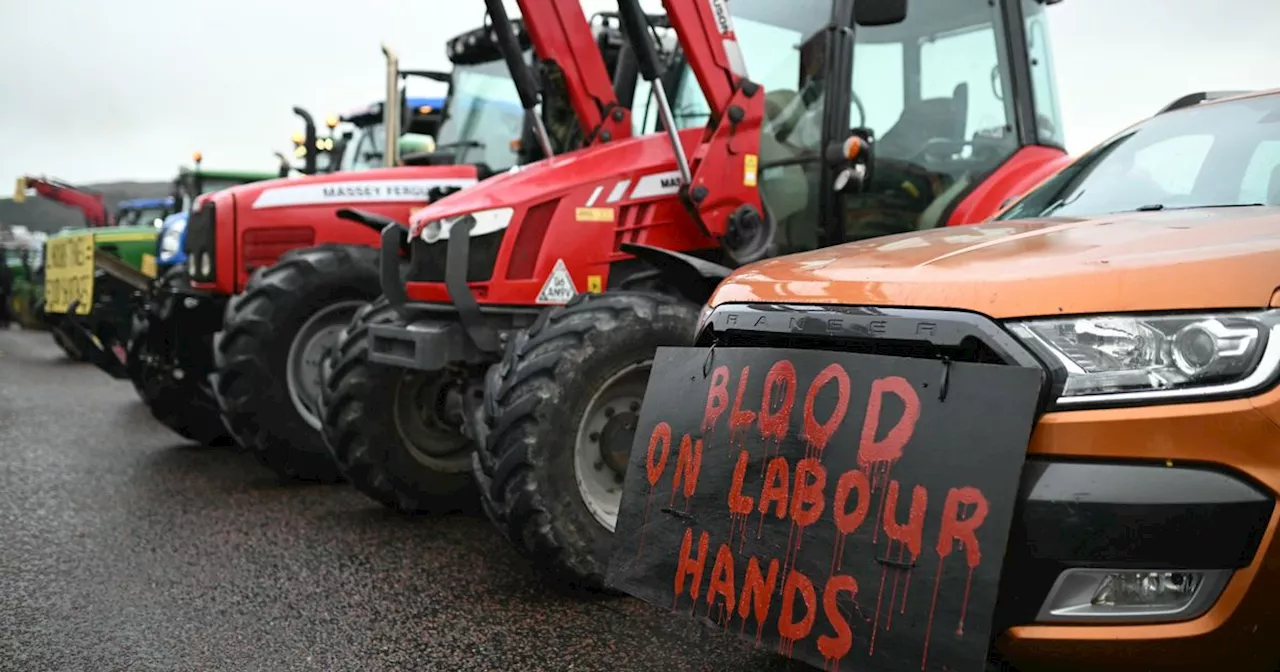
559, 287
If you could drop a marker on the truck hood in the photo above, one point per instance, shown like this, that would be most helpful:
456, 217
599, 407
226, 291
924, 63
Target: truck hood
550, 178
1149, 261
393, 184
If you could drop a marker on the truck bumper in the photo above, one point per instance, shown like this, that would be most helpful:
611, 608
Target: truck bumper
1183, 488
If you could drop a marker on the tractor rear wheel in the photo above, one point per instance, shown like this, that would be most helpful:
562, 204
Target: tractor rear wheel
559, 416
177, 399
268, 356
396, 433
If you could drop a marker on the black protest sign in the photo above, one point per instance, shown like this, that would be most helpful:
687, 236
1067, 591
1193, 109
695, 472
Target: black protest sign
837, 507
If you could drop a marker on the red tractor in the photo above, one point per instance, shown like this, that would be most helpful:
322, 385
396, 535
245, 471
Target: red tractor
857, 120
369, 406
278, 275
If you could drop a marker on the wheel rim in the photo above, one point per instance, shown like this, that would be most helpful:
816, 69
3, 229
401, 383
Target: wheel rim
603, 443
311, 345
428, 415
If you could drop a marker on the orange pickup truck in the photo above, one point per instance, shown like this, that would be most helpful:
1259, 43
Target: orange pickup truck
1049, 441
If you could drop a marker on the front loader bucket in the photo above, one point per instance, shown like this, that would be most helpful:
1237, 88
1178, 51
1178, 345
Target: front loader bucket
107, 354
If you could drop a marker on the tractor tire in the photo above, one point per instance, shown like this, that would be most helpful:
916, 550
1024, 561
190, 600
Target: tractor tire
183, 403
396, 434
558, 416
268, 356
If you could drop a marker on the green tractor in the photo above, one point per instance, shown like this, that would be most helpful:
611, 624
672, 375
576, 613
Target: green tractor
88, 285
23, 256
92, 275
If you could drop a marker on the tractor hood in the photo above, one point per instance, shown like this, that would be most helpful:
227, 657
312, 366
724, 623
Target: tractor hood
1149, 261
551, 178
403, 183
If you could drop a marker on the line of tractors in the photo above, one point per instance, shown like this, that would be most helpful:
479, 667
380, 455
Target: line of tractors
462, 297
398, 311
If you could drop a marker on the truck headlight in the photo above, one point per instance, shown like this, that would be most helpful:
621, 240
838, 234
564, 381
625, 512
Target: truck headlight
1153, 358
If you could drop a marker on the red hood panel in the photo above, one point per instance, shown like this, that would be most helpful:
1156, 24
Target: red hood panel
543, 180
380, 185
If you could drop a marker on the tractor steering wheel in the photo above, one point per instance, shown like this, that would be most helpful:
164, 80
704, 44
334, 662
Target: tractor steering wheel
928, 152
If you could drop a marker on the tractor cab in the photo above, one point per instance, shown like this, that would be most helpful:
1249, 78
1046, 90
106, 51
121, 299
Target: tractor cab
144, 211
942, 100
481, 122
360, 145
192, 182
484, 121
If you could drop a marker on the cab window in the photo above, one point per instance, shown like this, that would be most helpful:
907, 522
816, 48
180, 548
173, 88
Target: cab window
366, 149
1043, 83
880, 91
932, 91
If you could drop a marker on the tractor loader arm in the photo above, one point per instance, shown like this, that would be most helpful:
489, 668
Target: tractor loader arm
561, 34
372, 220
719, 187
88, 202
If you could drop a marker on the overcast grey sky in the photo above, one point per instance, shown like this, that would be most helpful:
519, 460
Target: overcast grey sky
93, 91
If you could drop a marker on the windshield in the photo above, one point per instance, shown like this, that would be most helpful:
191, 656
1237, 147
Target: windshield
483, 117
208, 184
365, 150
143, 217
1217, 155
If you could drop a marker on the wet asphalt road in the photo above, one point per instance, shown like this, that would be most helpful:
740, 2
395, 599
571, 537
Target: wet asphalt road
121, 548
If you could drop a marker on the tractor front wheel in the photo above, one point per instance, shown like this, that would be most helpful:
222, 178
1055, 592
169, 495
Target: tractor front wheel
559, 415
274, 339
395, 433
178, 399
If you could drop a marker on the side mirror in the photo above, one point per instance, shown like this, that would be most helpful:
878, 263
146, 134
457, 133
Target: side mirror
879, 12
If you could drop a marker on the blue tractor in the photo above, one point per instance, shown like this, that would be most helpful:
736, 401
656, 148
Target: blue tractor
144, 211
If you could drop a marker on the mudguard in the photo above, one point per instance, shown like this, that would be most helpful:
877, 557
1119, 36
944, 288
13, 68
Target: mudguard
694, 278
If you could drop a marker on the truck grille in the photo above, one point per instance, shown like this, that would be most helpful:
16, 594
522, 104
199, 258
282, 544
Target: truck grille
200, 241
932, 334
